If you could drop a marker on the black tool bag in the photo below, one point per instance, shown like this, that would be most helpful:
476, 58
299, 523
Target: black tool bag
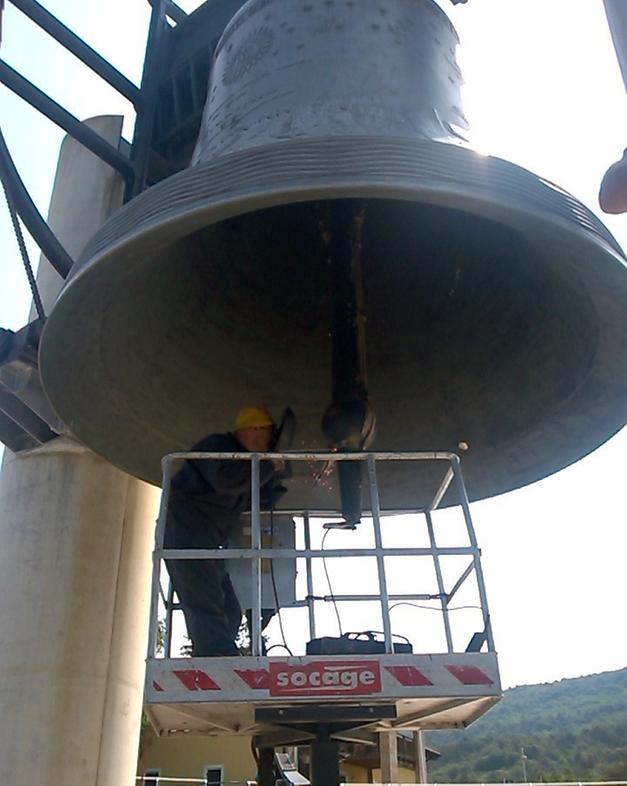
364, 643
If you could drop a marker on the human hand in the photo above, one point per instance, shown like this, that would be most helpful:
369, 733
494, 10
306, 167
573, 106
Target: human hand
279, 465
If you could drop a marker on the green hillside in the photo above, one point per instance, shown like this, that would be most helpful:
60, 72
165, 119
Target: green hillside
575, 729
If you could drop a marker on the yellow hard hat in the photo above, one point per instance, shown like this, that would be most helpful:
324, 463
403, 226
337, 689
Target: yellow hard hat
253, 417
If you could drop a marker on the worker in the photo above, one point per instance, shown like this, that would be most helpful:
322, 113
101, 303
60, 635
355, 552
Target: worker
206, 500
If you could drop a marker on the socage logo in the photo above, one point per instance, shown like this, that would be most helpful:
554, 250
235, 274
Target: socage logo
325, 678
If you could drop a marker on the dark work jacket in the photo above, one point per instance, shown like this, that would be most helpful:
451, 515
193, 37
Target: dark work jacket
207, 497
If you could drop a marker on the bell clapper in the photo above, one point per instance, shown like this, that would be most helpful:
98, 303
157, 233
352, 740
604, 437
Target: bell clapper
348, 422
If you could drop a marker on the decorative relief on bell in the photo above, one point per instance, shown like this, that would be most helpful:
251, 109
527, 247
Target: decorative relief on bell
255, 47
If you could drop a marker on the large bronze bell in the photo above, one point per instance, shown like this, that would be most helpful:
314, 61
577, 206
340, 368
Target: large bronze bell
492, 304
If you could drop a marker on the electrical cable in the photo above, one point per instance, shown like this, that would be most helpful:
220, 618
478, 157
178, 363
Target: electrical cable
274, 587
39, 307
280, 646
326, 572
432, 608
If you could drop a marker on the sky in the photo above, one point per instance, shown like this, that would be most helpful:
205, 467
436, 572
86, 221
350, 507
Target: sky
543, 89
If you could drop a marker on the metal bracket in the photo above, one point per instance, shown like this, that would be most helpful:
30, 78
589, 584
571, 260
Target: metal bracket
325, 713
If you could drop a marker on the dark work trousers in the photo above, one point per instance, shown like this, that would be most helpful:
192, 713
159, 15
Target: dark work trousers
212, 611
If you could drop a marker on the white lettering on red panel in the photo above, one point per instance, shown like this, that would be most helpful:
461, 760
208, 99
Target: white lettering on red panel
325, 678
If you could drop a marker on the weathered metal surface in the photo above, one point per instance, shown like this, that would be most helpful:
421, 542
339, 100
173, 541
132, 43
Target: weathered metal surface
314, 69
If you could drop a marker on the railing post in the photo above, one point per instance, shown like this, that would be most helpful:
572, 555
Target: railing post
440, 580
156, 555
378, 541
145, 120
310, 600
465, 504
255, 634
167, 644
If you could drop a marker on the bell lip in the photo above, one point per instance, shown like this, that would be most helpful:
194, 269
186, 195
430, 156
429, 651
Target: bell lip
156, 214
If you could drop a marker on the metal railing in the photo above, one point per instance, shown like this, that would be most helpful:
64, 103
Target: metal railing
155, 780
256, 553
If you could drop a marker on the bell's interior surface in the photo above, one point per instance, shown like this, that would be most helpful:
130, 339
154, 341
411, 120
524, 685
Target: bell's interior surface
505, 337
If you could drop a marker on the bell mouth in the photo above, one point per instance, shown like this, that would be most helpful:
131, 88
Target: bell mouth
495, 310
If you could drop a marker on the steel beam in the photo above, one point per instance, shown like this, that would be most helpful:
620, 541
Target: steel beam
282, 737
55, 112
25, 418
265, 767
325, 761
144, 124
325, 713
40, 16
13, 436
173, 11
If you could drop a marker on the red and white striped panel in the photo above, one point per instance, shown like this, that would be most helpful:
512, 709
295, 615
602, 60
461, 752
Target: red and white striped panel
313, 677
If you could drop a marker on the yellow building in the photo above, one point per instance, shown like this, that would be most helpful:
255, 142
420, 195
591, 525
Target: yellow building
213, 759
229, 759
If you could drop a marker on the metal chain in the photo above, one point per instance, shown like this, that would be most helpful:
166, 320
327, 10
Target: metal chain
39, 306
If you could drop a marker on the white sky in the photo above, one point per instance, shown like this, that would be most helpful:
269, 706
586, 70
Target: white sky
543, 89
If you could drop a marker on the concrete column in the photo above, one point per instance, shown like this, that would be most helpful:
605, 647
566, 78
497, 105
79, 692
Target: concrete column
121, 723
76, 538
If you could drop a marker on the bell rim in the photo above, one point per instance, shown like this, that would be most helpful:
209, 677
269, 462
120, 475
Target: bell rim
161, 212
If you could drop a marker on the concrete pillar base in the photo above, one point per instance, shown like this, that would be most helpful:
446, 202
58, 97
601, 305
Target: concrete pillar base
76, 538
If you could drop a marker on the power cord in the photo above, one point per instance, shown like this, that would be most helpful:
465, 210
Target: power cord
274, 588
326, 572
281, 647
431, 608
